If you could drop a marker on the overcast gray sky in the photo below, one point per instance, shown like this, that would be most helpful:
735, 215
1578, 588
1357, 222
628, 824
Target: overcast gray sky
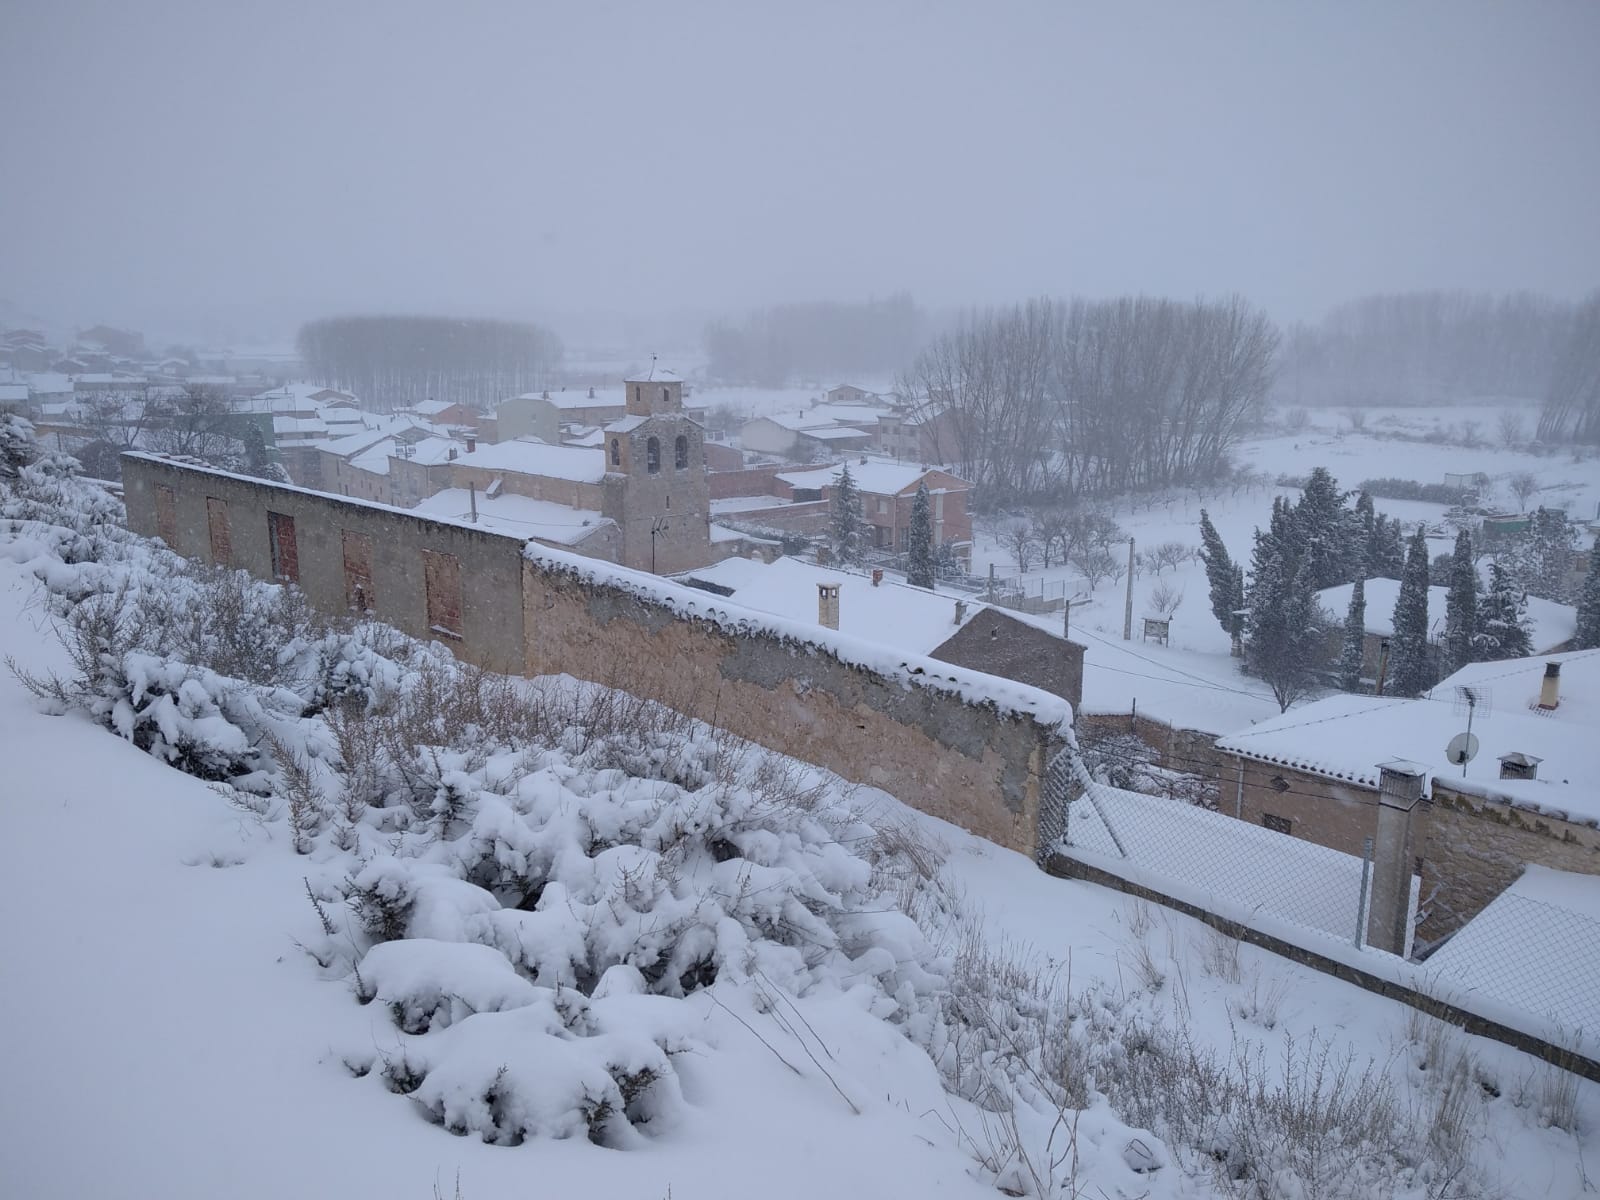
223, 170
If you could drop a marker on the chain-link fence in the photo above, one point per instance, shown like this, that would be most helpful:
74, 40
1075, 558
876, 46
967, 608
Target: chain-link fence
1539, 958
1235, 868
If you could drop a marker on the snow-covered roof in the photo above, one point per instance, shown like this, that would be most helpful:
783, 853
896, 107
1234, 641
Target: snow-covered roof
297, 397
105, 379
581, 464
49, 383
892, 614
298, 426
516, 515
879, 478
1345, 737
13, 393
835, 433
1552, 624
655, 375
579, 398
825, 416
625, 424
431, 408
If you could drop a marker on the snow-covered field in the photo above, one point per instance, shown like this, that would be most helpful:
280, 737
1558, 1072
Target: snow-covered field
1192, 681
189, 1024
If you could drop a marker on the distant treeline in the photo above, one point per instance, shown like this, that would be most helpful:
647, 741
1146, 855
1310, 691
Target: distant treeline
1426, 348
395, 361
1572, 404
815, 343
1072, 397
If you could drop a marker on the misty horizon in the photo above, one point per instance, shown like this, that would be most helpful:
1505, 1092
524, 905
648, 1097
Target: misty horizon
632, 173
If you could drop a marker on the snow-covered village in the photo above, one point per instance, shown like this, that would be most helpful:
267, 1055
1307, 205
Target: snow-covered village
687, 602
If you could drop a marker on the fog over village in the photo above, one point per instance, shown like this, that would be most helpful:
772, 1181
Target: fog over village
856, 600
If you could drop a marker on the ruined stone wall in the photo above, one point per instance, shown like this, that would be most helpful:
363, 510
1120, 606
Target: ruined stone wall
969, 763
960, 756
331, 536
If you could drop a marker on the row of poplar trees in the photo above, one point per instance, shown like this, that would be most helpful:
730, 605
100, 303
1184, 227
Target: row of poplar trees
1321, 541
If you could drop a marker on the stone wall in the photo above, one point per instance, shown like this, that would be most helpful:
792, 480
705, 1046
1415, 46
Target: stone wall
973, 764
1473, 848
965, 747
490, 601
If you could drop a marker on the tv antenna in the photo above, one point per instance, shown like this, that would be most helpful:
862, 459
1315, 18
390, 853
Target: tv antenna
1464, 746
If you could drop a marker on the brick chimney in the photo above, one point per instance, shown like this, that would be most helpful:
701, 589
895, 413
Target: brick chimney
828, 605
591, 393
472, 442
961, 611
1550, 688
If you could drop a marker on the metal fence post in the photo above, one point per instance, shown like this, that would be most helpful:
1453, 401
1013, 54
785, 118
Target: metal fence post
1361, 901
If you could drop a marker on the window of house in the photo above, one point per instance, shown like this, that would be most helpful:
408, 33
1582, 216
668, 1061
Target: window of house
883, 508
285, 550
680, 452
217, 529
616, 452
441, 585
1277, 824
652, 455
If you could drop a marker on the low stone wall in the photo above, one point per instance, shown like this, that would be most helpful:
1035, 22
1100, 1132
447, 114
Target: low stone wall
980, 765
966, 747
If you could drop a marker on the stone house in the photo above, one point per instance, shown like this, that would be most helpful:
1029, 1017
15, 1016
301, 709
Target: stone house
888, 492
1527, 796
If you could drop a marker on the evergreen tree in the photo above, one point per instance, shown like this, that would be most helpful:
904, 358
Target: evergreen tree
1386, 555
1411, 672
1320, 519
1503, 619
848, 524
1550, 543
1353, 654
1225, 579
1285, 631
1461, 607
920, 567
1589, 605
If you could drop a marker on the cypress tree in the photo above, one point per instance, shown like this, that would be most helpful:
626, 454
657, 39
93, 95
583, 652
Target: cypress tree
920, 564
1320, 521
1225, 579
1461, 607
1386, 555
1353, 654
1502, 619
1589, 605
847, 521
1410, 669
1285, 629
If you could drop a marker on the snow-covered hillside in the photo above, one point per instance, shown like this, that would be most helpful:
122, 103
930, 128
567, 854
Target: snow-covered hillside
600, 924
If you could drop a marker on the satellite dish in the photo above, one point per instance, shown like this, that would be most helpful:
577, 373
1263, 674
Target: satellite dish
1462, 748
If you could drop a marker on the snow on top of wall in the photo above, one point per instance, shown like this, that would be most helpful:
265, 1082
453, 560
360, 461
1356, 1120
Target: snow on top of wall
1344, 738
1552, 623
972, 687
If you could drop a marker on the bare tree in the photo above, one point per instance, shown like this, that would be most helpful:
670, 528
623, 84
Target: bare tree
1513, 432
199, 422
1168, 556
1165, 598
1097, 564
1017, 537
1523, 484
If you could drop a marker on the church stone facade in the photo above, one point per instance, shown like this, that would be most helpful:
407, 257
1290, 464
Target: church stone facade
655, 487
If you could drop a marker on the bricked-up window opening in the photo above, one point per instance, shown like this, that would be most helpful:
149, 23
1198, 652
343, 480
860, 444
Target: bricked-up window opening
167, 516
637, 392
680, 452
1277, 824
285, 551
441, 582
616, 452
652, 455
357, 571
664, 397
217, 528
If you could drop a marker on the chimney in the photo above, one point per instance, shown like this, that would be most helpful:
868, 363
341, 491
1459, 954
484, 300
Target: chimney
452, 454
1550, 688
828, 605
877, 576
472, 442
961, 611
1517, 765
591, 393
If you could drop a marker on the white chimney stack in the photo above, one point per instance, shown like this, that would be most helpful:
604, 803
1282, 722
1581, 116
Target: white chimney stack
828, 605
1550, 688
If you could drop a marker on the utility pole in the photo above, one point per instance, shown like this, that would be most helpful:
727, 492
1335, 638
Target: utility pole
1383, 665
1127, 610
